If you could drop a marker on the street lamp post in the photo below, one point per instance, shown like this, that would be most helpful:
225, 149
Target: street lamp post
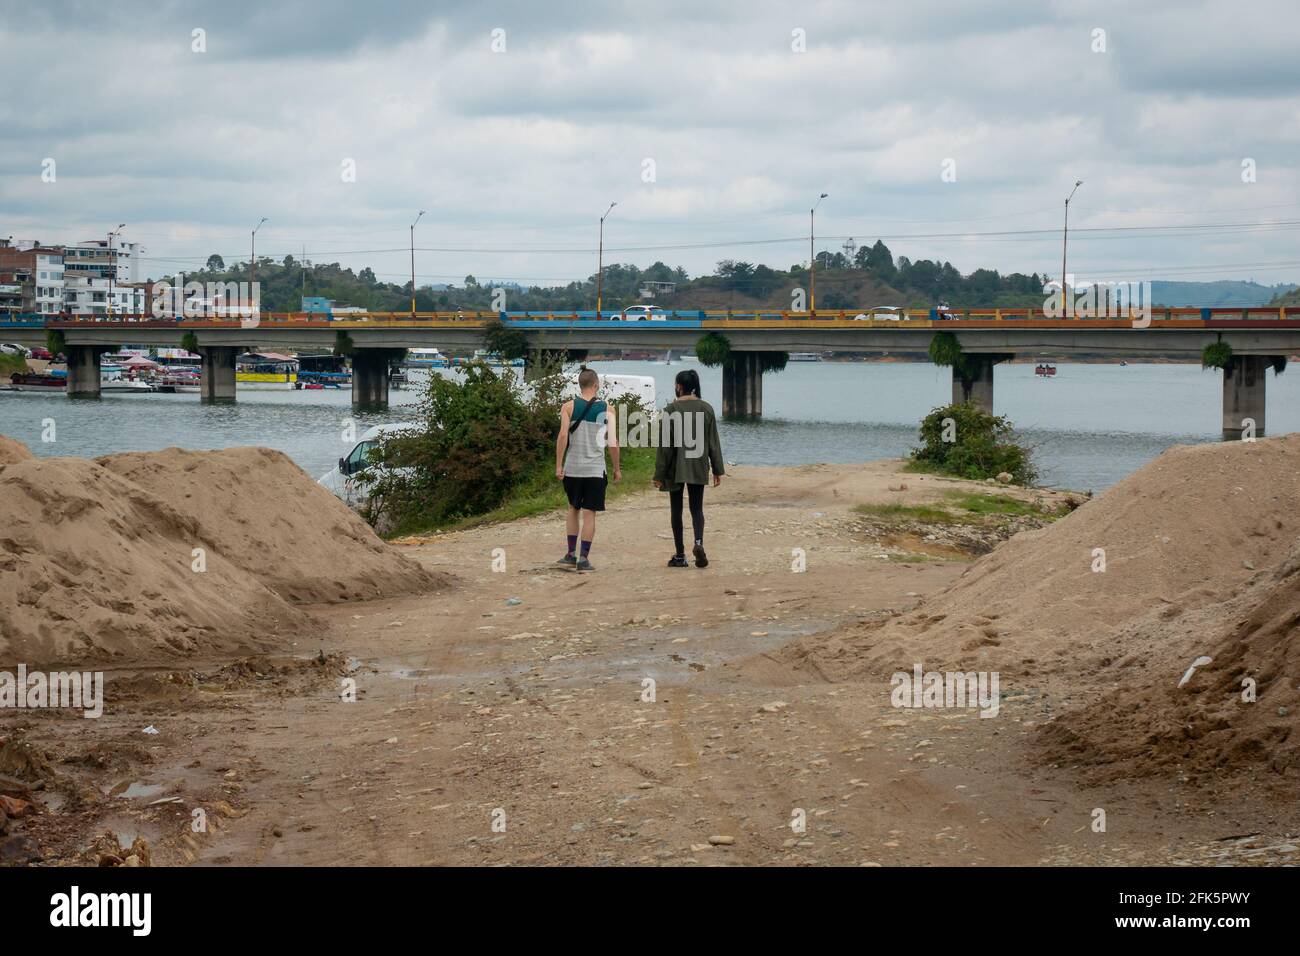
112, 267
417, 219
1065, 235
252, 264
812, 254
600, 257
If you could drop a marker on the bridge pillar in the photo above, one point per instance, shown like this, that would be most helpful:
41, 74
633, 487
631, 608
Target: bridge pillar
976, 385
370, 379
742, 386
1243, 395
217, 375
83, 370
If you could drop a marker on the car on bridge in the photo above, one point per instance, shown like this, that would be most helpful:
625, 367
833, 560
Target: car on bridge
893, 313
639, 313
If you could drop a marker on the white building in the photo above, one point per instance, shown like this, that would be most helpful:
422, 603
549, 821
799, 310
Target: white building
87, 267
88, 295
49, 282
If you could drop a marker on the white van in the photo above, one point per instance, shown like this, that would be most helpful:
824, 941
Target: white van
340, 482
614, 386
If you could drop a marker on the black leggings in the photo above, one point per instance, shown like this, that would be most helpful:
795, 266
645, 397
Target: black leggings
696, 495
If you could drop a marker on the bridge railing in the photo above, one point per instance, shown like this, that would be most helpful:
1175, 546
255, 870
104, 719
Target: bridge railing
681, 317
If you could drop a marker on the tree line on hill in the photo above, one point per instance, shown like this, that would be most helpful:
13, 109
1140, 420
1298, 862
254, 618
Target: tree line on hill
871, 277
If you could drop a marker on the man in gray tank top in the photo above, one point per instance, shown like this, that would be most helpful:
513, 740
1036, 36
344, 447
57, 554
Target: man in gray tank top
587, 428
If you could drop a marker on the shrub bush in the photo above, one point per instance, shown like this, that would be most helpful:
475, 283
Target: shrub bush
1217, 355
982, 445
509, 344
713, 349
481, 440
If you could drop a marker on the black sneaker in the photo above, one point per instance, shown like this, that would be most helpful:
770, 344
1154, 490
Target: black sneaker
583, 565
678, 561
701, 559
567, 561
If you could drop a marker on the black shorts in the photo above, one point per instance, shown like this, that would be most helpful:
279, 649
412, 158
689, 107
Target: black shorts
586, 494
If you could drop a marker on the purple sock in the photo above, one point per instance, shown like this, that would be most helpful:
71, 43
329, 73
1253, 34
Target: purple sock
573, 542
586, 546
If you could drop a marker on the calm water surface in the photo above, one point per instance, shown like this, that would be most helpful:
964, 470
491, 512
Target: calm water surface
1090, 426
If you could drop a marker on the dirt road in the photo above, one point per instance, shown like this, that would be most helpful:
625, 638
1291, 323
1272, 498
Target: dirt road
511, 719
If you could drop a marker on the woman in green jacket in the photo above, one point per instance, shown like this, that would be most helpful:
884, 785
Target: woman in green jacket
689, 451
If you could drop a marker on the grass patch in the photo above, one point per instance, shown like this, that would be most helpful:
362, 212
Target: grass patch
958, 507
985, 504
929, 514
11, 363
911, 558
542, 492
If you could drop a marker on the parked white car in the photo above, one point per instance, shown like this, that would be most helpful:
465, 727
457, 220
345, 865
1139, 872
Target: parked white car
638, 313
13, 348
340, 481
891, 313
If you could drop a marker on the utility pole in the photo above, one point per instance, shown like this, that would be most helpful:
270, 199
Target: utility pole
112, 268
417, 219
252, 266
1065, 236
812, 254
600, 257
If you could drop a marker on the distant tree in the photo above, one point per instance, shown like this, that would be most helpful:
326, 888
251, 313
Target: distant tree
880, 261
216, 263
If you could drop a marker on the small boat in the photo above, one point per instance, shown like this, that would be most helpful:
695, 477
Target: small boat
1045, 370
178, 380
425, 358
269, 370
805, 357
36, 382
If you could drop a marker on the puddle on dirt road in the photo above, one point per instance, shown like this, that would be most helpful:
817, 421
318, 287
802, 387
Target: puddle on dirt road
667, 656
126, 829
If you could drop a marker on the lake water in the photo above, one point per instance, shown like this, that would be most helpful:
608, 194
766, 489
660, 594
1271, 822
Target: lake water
1090, 426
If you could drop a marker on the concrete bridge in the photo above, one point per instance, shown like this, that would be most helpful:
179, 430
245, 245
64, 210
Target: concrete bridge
1258, 338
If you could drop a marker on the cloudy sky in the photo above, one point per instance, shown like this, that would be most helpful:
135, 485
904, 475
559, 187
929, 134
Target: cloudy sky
953, 130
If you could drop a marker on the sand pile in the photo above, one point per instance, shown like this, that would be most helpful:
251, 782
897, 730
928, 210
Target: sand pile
261, 511
1238, 709
11, 451
94, 566
1184, 533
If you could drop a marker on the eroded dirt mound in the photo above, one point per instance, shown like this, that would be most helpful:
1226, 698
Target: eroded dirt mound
263, 512
1183, 534
93, 567
12, 451
1237, 710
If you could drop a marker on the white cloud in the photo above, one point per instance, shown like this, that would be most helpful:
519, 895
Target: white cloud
523, 150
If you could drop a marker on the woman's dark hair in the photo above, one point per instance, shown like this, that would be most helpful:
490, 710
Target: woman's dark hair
689, 380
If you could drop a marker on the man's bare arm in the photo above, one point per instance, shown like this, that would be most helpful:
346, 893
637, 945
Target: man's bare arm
611, 441
562, 438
